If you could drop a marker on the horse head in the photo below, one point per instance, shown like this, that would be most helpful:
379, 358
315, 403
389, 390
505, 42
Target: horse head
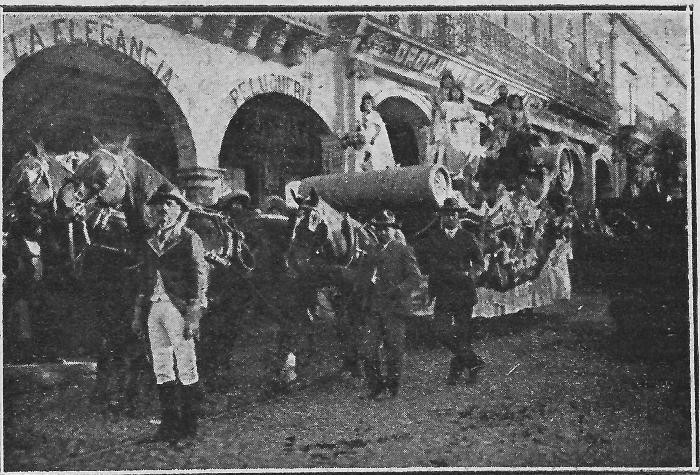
102, 179
35, 179
320, 230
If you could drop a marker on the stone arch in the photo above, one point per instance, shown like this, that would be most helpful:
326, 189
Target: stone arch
420, 101
405, 122
271, 140
29, 39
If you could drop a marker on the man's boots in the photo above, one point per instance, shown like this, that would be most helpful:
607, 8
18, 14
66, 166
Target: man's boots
393, 378
168, 429
375, 383
456, 369
191, 402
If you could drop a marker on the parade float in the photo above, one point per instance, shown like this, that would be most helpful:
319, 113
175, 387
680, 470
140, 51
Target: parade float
521, 219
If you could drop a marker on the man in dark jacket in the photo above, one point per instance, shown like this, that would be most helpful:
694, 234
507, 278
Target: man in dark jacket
172, 290
452, 260
393, 274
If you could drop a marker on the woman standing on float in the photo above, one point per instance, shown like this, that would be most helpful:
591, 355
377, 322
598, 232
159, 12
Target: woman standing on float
462, 134
439, 136
377, 153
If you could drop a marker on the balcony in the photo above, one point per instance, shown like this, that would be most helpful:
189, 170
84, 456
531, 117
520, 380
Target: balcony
481, 41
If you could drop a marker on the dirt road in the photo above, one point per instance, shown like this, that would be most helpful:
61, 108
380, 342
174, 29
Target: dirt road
558, 390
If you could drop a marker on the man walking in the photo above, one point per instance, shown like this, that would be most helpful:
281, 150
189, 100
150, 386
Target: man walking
394, 273
173, 286
452, 260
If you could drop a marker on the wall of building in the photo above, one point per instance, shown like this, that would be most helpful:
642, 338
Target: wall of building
208, 82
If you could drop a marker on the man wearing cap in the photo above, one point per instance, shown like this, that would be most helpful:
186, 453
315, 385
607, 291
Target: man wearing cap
453, 259
393, 273
173, 285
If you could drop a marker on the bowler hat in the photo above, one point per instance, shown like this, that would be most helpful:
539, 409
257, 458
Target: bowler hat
167, 192
385, 218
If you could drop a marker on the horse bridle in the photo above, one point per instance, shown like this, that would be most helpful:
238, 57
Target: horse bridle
94, 193
354, 250
44, 174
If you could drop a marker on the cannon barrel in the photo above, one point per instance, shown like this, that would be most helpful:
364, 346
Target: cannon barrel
393, 188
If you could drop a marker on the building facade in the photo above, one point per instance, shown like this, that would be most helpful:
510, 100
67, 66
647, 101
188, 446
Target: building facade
256, 101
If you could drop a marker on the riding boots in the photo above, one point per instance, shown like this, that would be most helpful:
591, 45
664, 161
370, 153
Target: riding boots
168, 431
191, 403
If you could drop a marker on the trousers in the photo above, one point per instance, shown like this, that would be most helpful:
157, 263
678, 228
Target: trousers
456, 333
389, 330
166, 326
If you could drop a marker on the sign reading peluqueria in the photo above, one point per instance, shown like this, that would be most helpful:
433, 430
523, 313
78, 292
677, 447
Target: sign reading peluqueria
271, 82
86, 31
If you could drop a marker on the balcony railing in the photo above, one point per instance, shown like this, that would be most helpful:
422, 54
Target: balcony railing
476, 38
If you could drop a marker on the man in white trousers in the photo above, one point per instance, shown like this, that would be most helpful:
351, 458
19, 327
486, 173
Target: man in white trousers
172, 288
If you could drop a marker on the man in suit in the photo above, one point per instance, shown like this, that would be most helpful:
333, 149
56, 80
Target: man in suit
453, 259
392, 274
173, 287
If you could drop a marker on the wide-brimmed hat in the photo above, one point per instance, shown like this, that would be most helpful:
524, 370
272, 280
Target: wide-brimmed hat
167, 192
233, 196
385, 218
451, 205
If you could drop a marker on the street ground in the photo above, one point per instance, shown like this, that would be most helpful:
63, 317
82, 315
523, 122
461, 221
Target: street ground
560, 389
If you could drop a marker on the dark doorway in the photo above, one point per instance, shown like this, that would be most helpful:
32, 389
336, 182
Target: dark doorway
404, 121
271, 140
603, 182
65, 94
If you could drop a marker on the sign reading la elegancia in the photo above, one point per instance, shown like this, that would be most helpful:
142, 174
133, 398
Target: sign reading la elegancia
88, 31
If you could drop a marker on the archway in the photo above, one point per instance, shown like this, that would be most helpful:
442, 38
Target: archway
67, 93
603, 181
271, 140
403, 120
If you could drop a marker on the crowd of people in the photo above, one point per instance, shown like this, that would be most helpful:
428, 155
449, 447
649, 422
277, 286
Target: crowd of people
173, 286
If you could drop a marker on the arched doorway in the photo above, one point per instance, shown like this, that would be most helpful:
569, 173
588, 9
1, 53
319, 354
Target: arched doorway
404, 121
67, 93
271, 140
603, 181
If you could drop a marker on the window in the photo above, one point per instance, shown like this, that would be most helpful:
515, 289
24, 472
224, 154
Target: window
505, 20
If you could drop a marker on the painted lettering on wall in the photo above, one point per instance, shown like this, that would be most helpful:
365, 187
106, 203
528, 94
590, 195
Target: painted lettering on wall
394, 50
90, 32
271, 82
402, 53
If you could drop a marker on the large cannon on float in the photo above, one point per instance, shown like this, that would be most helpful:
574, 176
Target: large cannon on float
523, 230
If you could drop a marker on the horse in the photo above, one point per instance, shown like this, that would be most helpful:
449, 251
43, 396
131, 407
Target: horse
327, 249
33, 238
114, 177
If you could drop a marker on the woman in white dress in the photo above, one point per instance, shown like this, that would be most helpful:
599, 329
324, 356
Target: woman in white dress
377, 153
440, 128
462, 133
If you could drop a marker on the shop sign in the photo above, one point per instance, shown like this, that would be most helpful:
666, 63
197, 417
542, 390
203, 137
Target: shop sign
89, 32
391, 49
407, 55
266, 83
